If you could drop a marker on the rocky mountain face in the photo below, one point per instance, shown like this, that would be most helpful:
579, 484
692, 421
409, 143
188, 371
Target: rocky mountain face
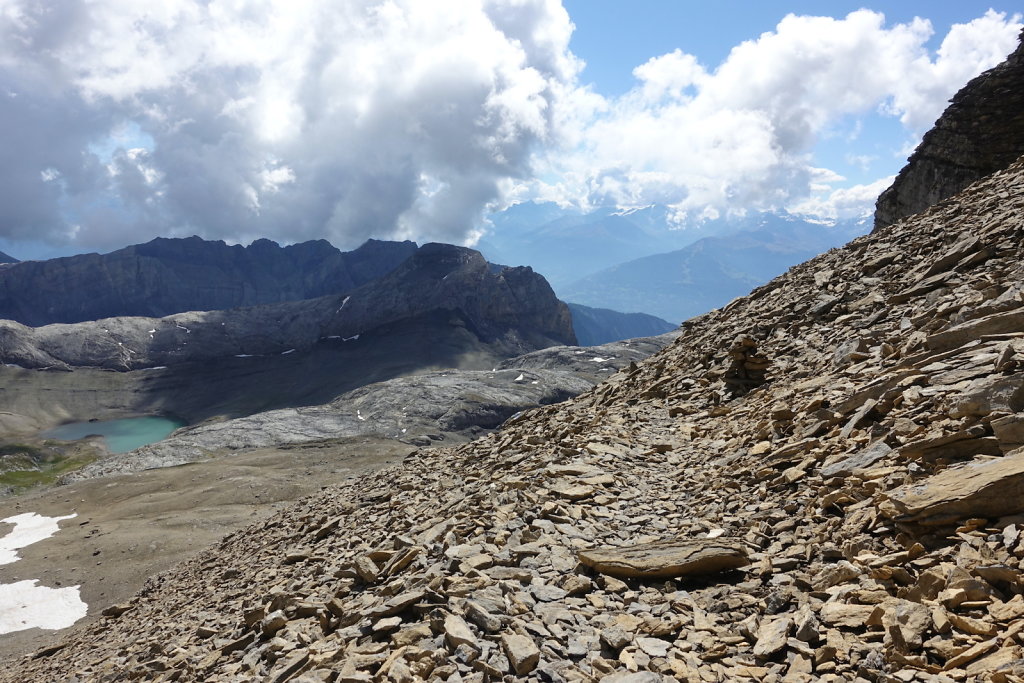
595, 326
512, 307
982, 131
167, 276
820, 481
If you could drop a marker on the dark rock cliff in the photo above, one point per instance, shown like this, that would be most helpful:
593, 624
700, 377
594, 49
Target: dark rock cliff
167, 276
981, 132
512, 310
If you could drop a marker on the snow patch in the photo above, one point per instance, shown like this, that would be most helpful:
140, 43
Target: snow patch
285, 353
243, 355
155, 367
352, 338
24, 604
520, 378
343, 302
29, 528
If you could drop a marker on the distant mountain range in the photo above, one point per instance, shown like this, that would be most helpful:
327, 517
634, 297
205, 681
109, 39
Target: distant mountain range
640, 261
564, 244
166, 276
710, 272
5, 258
595, 326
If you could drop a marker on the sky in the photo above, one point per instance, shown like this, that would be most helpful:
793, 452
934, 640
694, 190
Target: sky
403, 119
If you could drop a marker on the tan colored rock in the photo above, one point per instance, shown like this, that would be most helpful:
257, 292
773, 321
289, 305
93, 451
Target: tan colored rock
910, 620
1009, 610
842, 614
973, 626
992, 394
457, 632
958, 335
772, 636
523, 654
988, 488
1009, 430
667, 559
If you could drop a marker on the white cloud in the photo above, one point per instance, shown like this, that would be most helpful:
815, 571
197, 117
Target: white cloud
390, 118
849, 202
291, 120
742, 136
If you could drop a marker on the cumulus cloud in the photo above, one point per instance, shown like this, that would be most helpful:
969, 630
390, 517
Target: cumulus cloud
742, 136
123, 120
294, 120
857, 201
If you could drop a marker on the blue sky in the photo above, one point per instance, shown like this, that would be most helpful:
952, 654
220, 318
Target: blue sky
402, 119
614, 37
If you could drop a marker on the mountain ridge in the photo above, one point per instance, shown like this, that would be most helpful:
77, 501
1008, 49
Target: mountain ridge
595, 326
167, 276
708, 273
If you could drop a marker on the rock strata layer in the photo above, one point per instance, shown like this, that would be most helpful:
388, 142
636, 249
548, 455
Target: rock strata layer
167, 276
513, 307
982, 131
464, 563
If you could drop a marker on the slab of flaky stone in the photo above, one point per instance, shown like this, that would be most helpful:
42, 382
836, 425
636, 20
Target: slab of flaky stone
667, 559
987, 488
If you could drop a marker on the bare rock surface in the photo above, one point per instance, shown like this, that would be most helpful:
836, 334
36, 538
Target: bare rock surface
666, 559
981, 131
981, 488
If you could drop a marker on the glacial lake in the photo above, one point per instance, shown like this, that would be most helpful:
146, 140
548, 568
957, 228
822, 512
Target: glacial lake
122, 435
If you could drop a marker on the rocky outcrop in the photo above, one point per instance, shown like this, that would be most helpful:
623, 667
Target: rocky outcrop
982, 131
471, 562
595, 326
513, 308
167, 276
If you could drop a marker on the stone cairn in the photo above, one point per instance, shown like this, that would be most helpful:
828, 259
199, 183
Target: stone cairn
748, 368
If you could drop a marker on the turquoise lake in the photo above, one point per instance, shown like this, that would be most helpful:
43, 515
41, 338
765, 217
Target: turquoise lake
122, 435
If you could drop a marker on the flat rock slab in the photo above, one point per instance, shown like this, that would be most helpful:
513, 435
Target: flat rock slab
989, 488
667, 559
861, 460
